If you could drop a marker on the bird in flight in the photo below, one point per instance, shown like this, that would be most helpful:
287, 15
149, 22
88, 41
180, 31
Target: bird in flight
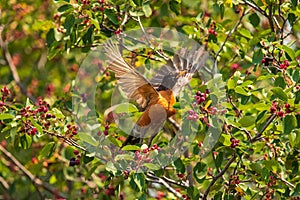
156, 96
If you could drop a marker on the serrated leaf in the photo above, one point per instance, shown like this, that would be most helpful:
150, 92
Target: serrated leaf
4, 116
112, 15
279, 93
36, 125
84, 137
289, 123
47, 150
131, 148
247, 121
272, 165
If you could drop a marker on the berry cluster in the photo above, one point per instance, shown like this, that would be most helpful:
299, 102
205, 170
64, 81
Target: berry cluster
72, 130
212, 29
201, 97
234, 142
193, 116
143, 155
234, 180
106, 128
284, 65
5, 92
75, 161
277, 108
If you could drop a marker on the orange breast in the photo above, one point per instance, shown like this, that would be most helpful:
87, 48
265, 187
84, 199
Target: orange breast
166, 99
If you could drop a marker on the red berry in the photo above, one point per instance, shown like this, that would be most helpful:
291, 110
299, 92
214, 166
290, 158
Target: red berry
280, 113
263, 60
287, 105
77, 162
76, 152
105, 132
273, 109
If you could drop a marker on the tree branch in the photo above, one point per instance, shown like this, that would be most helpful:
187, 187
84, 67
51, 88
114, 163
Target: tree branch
259, 134
219, 175
36, 181
12, 67
155, 179
227, 37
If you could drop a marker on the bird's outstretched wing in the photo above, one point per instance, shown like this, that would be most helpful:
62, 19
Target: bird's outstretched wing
182, 67
133, 83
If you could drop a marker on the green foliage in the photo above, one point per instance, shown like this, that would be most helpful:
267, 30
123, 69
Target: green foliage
255, 45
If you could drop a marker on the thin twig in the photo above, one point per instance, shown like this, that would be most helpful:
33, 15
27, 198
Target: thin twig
219, 175
12, 66
148, 39
259, 134
227, 37
36, 181
152, 178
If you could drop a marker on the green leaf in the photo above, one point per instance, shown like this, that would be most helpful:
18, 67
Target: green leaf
68, 24
25, 141
280, 82
125, 108
199, 172
257, 57
254, 19
147, 10
279, 93
139, 180
219, 160
131, 148
90, 172
66, 8
180, 168
246, 33
4, 116
241, 90
112, 15
297, 99
50, 38
87, 159
47, 150
289, 52
296, 191
38, 127
69, 152
289, 123
272, 165
294, 3
247, 121
175, 6
84, 137
152, 166
292, 18
138, 2
193, 192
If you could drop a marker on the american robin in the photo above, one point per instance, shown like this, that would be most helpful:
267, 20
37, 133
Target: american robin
156, 96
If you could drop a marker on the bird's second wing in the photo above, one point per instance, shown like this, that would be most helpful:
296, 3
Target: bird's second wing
184, 64
133, 83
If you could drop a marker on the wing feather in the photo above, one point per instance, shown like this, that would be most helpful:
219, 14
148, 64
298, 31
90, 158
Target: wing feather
133, 83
